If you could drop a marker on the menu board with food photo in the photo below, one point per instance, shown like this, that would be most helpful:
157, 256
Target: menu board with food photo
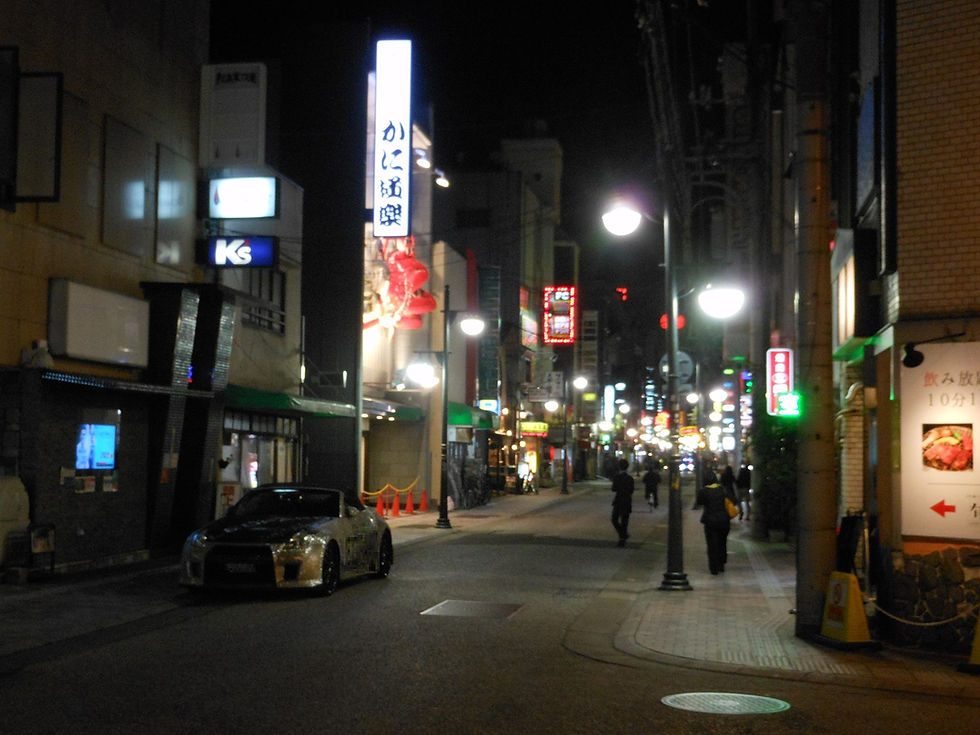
940, 491
947, 448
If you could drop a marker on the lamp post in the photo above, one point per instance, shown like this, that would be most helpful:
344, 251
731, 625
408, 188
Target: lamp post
471, 325
623, 220
578, 383
443, 520
564, 435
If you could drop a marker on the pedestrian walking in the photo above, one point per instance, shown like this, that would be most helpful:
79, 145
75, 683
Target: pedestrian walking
743, 491
716, 522
622, 504
651, 481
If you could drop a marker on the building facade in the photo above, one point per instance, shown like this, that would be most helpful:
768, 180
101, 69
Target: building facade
144, 385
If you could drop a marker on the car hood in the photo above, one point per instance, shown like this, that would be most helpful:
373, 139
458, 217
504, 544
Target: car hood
265, 529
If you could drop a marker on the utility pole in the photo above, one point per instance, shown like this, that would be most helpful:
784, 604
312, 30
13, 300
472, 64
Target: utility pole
816, 488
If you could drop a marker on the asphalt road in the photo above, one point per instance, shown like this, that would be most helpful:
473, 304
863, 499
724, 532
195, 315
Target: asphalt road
464, 637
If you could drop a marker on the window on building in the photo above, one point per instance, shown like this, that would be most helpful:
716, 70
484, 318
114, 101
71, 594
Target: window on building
258, 449
267, 309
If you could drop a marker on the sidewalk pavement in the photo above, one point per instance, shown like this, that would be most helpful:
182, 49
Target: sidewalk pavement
738, 622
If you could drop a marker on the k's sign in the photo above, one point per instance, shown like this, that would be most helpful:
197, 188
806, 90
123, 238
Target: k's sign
241, 252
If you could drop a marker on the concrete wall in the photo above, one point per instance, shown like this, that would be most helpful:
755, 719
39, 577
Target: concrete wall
137, 64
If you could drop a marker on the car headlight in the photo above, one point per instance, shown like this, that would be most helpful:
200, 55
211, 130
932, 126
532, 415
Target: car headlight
195, 544
299, 542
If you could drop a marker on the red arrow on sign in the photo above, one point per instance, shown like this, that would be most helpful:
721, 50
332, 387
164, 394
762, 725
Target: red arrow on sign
942, 509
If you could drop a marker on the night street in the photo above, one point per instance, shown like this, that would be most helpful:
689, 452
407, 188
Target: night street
368, 660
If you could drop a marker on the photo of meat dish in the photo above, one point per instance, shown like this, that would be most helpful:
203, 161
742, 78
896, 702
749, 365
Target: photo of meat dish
947, 448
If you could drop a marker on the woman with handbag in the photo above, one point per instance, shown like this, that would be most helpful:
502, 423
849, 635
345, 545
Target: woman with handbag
717, 521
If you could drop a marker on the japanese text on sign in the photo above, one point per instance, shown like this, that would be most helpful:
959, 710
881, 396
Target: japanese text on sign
392, 139
939, 415
779, 377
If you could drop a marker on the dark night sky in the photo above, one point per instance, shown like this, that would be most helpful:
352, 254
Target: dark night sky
493, 69
490, 68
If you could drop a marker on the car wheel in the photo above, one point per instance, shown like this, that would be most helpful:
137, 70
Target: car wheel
330, 570
385, 557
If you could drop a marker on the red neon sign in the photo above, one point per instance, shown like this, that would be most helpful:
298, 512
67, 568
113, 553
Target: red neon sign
779, 377
559, 315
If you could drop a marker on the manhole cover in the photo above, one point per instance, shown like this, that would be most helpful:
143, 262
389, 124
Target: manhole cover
722, 703
472, 609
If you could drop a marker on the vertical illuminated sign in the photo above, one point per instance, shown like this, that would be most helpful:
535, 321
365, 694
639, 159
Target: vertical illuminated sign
392, 138
779, 377
559, 315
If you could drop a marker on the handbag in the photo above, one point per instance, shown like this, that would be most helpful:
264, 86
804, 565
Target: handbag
731, 507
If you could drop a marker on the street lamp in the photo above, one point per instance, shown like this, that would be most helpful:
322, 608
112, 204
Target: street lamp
580, 383
471, 325
721, 302
621, 220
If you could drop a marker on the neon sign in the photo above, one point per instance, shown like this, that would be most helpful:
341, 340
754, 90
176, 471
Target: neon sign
779, 379
559, 315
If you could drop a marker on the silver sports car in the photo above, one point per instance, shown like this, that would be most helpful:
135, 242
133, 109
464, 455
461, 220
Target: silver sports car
288, 536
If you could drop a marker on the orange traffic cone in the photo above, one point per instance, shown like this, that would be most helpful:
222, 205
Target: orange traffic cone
409, 509
380, 510
424, 502
394, 506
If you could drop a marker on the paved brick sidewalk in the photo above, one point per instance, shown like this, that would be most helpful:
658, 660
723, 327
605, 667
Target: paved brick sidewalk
742, 620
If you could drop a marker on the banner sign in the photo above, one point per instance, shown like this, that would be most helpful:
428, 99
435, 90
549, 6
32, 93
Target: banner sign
940, 402
393, 139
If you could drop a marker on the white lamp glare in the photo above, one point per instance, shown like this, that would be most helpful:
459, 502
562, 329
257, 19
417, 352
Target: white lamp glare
472, 324
621, 220
721, 303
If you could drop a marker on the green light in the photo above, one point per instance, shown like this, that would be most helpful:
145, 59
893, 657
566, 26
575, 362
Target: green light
604, 438
789, 404
728, 371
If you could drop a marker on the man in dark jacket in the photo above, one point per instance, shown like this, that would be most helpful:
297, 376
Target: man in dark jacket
622, 504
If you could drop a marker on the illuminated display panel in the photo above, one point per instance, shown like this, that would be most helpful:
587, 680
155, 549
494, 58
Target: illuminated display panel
559, 315
534, 428
243, 197
393, 139
779, 377
253, 251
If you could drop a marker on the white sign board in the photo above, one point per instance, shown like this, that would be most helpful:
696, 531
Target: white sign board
393, 139
940, 409
242, 197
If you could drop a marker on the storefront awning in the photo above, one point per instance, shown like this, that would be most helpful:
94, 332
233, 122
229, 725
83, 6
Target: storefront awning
463, 415
240, 397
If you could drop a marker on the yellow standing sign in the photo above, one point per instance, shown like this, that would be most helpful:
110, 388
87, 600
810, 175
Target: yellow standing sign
843, 612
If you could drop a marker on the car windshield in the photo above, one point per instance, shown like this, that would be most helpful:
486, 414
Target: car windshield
289, 502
